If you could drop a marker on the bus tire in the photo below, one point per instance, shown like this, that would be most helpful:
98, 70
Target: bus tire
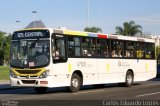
129, 79
40, 90
75, 84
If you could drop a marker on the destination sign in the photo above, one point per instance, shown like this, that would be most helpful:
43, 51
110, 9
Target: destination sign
30, 34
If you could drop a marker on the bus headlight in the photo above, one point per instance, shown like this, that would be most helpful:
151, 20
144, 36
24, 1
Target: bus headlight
12, 74
43, 75
48, 72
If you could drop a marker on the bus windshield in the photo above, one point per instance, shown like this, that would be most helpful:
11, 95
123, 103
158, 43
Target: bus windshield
30, 53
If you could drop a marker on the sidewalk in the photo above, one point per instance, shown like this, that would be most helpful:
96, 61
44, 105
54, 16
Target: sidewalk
5, 85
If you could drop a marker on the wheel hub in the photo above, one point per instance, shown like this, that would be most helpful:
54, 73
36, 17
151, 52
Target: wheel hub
75, 83
129, 79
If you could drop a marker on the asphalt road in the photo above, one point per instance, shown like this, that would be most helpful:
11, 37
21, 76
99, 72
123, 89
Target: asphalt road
111, 94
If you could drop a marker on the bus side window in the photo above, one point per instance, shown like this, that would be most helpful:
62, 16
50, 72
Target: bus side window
92, 47
139, 53
140, 50
117, 48
114, 53
74, 46
106, 51
77, 47
55, 51
104, 48
70, 47
85, 44
149, 51
129, 48
59, 49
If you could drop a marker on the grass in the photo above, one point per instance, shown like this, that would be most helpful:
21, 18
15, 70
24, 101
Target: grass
4, 73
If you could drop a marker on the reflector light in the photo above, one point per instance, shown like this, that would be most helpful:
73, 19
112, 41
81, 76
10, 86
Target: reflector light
43, 82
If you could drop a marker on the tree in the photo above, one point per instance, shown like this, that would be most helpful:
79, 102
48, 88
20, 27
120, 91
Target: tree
4, 47
158, 52
7, 49
129, 29
1, 47
93, 29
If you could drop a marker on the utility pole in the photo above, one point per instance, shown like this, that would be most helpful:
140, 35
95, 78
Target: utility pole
88, 12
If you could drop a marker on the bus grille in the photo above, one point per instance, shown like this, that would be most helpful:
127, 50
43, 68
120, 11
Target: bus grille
28, 71
28, 81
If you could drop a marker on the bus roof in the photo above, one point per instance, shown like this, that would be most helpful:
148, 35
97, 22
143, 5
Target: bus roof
96, 35
100, 35
32, 29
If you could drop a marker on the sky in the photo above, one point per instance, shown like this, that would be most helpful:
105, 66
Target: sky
73, 14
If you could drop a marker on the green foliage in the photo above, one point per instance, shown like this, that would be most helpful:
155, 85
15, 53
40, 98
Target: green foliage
129, 29
93, 29
158, 52
4, 47
7, 49
4, 73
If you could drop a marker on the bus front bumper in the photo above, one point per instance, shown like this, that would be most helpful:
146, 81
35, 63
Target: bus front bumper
44, 82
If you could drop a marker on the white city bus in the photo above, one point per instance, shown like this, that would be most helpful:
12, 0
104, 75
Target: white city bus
44, 58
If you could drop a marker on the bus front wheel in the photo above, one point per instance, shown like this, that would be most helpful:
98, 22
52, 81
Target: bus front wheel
40, 90
129, 79
75, 83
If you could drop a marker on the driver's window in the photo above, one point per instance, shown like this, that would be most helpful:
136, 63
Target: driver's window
58, 50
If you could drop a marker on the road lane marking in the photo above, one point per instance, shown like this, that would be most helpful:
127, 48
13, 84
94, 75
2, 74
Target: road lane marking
89, 92
42, 96
59, 95
148, 94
